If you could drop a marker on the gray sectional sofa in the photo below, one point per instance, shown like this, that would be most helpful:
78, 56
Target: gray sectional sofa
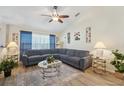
77, 58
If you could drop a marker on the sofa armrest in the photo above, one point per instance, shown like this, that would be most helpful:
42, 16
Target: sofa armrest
85, 62
25, 60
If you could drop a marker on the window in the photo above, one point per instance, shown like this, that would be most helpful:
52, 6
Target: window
40, 41
29, 40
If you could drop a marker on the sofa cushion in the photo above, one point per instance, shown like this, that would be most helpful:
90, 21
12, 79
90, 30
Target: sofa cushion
36, 58
54, 51
62, 56
61, 51
31, 52
81, 53
56, 56
43, 51
35, 52
74, 59
47, 51
70, 52
44, 57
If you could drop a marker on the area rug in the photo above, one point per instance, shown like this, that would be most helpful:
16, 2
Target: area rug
34, 78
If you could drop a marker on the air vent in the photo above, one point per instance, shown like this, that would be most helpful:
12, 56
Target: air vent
77, 14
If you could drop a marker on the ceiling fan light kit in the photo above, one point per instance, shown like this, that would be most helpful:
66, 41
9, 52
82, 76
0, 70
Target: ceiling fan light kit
55, 18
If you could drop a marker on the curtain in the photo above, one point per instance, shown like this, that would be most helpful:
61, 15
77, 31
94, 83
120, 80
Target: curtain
52, 41
25, 41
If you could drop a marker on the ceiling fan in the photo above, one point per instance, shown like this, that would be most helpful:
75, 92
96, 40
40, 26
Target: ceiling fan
55, 16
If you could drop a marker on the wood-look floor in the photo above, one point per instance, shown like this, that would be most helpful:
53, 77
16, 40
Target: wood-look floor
87, 78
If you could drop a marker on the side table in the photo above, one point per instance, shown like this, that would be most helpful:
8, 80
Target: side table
14, 57
99, 65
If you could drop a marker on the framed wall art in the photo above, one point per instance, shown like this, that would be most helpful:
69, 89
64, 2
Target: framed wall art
15, 37
88, 34
77, 35
68, 38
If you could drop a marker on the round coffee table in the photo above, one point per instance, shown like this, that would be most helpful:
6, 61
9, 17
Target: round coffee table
52, 68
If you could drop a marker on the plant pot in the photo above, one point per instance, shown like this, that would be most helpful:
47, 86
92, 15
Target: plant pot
119, 75
7, 73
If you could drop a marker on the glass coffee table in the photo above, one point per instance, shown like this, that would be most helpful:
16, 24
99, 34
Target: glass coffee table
50, 69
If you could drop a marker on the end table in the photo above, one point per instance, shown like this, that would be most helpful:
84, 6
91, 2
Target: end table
99, 65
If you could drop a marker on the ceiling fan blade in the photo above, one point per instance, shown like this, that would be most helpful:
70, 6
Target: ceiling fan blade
50, 20
59, 20
63, 16
46, 15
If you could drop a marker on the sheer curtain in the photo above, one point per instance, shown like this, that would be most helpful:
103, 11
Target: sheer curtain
40, 41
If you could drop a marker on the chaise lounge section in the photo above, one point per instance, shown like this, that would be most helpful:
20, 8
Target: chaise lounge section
79, 59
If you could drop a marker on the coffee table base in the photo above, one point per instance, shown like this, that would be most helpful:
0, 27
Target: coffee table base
52, 68
54, 71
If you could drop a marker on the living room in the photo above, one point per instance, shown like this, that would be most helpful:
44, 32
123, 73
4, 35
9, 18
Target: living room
61, 46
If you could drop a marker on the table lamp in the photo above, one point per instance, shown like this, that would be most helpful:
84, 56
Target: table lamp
99, 46
12, 48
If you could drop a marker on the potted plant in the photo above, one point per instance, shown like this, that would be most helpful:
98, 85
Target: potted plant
50, 59
6, 65
118, 63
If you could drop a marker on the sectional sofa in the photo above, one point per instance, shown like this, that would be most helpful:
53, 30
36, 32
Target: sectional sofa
77, 58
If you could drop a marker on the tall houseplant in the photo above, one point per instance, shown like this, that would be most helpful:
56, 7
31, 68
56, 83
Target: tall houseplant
6, 65
118, 63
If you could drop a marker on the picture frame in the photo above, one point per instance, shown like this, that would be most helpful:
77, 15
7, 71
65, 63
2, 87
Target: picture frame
88, 34
68, 37
77, 35
15, 37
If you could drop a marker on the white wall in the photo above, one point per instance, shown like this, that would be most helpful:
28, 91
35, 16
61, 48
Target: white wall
2, 34
107, 25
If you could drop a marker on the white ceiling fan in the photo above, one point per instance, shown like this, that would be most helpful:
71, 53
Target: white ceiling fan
55, 16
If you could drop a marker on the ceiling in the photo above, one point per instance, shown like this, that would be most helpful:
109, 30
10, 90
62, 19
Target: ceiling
31, 16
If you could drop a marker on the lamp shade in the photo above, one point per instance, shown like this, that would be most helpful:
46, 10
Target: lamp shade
12, 44
99, 45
